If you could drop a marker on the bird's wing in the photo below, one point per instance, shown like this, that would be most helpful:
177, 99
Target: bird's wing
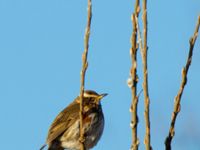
63, 121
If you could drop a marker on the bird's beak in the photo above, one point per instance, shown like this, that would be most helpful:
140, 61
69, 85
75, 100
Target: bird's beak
102, 95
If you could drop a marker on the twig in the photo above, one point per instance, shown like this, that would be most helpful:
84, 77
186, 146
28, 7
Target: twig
132, 83
177, 100
83, 71
147, 141
139, 35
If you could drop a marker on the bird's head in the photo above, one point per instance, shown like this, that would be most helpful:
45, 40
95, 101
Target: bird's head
93, 97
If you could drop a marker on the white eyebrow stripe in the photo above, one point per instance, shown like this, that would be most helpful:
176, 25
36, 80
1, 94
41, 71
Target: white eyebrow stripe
89, 95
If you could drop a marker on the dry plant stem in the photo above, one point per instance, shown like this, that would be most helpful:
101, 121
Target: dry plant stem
177, 100
83, 71
147, 141
134, 78
139, 35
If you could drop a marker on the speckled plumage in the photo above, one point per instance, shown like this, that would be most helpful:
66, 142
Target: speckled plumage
64, 131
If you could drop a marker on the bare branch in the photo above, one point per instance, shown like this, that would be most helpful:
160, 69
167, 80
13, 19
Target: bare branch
132, 82
83, 71
147, 141
139, 35
177, 100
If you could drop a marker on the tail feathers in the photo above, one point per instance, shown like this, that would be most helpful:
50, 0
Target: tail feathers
43, 146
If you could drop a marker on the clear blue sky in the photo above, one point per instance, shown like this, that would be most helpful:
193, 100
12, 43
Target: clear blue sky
41, 43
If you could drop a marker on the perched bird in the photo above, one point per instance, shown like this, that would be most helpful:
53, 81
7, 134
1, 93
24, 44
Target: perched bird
64, 131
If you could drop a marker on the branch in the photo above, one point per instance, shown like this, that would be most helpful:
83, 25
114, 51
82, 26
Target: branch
145, 82
83, 71
132, 82
139, 35
177, 100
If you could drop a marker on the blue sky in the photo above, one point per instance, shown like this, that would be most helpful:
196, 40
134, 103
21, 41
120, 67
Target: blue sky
40, 62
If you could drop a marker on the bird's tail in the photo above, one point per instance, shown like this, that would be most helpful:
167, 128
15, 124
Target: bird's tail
43, 146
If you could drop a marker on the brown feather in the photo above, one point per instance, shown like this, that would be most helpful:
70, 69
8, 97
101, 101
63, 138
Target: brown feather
63, 121
64, 131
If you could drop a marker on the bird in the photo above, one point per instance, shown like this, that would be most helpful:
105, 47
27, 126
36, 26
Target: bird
64, 131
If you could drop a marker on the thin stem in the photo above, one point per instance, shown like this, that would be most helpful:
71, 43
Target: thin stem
83, 71
147, 141
177, 100
139, 35
134, 78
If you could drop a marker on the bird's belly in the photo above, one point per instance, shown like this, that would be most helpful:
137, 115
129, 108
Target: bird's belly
93, 133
